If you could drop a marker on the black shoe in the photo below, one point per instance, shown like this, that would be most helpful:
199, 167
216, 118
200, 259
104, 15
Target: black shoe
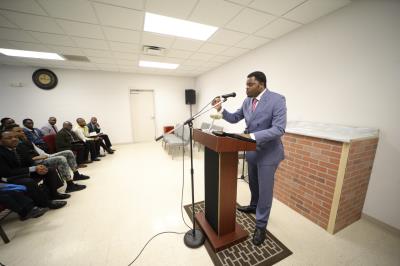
102, 155
247, 209
80, 177
259, 236
72, 187
95, 160
35, 212
56, 204
60, 196
112, 149
109, 151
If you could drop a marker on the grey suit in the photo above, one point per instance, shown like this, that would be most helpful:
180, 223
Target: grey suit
267, 123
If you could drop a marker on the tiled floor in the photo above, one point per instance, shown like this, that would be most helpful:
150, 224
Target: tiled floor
135, 194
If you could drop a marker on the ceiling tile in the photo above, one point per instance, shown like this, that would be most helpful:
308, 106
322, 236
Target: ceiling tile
157, 40
97, 53
136, 4
193, 62
185, 67
123, 62
128, 56
124, 47
31, 46
252, 42
221, 58
178, 53
201, 56
16, 35
187, 44
33, 22
276, 7
241, 2
227, 37
90, 43
27, 6
313, 9
119, 17
56, 39
78, 10
211, 48
5, 23
101, 60
66, 50
234, 51
249, 21
171, 8
214, 12
121, 35
81, 29
277, 28
6, 44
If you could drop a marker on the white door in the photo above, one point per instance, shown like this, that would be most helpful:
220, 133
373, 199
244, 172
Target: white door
142, 113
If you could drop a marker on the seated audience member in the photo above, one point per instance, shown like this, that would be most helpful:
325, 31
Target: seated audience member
93, 126
50, 128
66, 139
82, 131
34, 134
5, 122
62, 161
16, 201
13, 171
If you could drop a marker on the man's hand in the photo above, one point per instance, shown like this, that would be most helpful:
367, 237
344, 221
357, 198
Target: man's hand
40, 157
246, 135
41, 169
217, 103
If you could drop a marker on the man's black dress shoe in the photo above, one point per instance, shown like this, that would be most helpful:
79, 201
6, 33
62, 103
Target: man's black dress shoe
95, 160
80, 177
72, 187
247, 209
35, 212
60, 196
56, 204
259, 236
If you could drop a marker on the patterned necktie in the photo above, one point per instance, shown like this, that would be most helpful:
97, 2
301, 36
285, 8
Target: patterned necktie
254, 104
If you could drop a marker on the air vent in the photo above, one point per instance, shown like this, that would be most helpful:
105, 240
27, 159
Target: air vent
76, 58
153, 50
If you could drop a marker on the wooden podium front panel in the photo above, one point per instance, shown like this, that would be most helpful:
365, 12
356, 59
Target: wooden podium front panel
211, 191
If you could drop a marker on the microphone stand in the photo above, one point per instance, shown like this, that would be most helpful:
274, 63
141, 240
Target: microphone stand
193, 238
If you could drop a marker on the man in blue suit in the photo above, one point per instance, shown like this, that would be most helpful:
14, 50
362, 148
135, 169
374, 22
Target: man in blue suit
265, 114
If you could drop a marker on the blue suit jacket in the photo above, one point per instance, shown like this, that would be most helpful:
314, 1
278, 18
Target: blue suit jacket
267, 123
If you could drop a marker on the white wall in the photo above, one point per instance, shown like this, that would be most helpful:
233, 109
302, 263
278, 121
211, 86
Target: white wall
91, 93
344, 69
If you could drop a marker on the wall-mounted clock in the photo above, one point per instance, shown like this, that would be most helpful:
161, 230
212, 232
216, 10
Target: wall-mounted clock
45, 79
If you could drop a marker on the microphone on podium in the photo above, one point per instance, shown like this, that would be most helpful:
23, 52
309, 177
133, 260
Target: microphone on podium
233, 94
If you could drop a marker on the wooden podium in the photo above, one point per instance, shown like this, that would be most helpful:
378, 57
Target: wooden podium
220, 179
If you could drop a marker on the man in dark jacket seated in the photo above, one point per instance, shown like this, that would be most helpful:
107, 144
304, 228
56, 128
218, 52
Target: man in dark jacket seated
13, 171
95, 127
35, 135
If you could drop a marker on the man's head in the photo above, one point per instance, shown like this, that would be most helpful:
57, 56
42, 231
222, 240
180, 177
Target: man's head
67, 125
8, 139
52, 120
7, 121
93, 120
28, 123
81, 122
17, 130
255, 84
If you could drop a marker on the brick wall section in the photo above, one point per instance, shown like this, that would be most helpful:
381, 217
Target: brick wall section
355, 183
306, 179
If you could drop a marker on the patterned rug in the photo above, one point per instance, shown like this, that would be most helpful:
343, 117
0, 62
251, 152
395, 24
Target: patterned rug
245, 253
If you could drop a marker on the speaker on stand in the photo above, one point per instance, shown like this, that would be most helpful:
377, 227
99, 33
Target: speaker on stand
190, 98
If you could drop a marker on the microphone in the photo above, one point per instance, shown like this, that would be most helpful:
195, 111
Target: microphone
233, 94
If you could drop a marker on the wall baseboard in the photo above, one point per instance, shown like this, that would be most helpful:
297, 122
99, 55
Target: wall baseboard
385, 226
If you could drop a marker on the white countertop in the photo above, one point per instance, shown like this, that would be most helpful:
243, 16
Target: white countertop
330, 131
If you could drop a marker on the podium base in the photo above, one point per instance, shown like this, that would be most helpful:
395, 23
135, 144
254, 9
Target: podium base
219, 243
194, 241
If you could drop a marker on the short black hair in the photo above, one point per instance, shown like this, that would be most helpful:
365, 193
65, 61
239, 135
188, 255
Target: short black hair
259, 76
26, 120
4, 119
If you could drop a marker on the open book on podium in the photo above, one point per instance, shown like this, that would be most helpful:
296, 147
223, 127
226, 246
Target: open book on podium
218, 220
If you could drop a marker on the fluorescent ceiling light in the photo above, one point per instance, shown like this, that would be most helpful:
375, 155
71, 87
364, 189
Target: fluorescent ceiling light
177, 27
30, 54
157, 64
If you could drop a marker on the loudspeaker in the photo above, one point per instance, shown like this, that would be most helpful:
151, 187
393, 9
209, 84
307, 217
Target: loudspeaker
190, 96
